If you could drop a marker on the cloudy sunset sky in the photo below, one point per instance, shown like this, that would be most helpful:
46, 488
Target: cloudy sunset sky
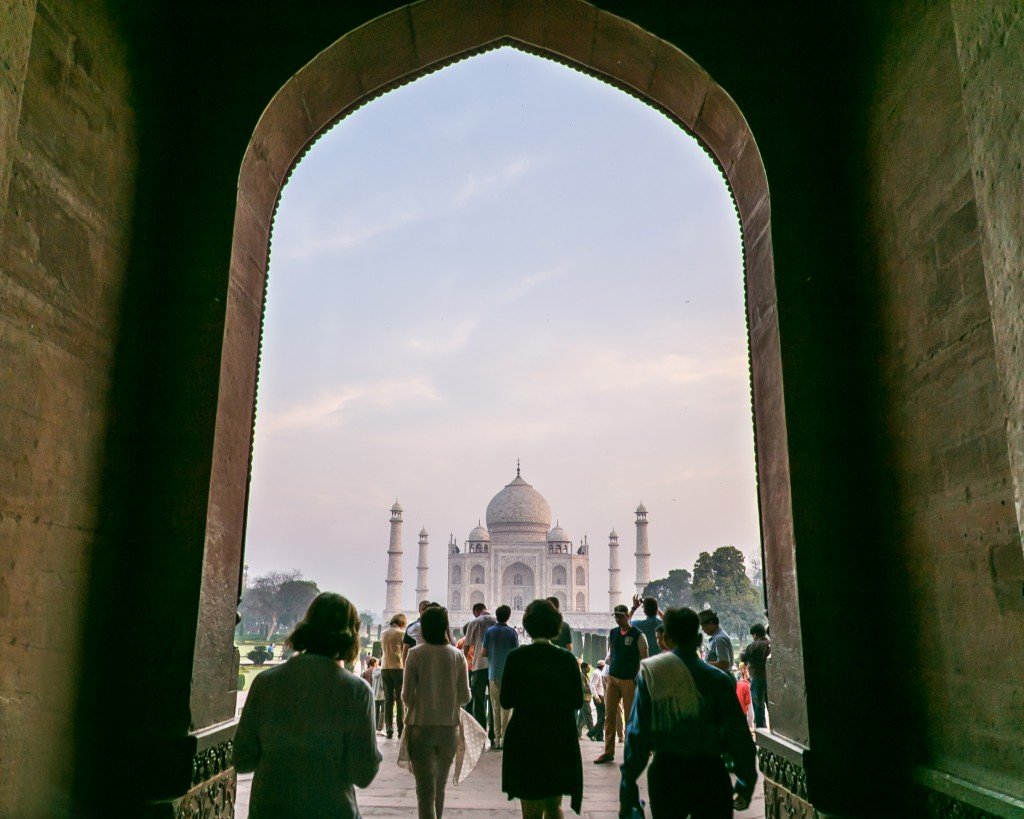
506, 259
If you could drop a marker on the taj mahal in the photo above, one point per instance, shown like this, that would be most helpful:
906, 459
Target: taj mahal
517, 557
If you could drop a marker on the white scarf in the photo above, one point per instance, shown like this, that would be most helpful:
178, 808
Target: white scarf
674, 694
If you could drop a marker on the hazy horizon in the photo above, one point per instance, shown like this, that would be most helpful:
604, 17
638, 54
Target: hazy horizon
505, 259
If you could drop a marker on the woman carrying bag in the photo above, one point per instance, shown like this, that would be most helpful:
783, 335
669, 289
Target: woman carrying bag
435, 687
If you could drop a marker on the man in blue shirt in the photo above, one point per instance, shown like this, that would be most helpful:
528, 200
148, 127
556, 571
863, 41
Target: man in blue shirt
687, 713
719, 642
650, 622
498, 641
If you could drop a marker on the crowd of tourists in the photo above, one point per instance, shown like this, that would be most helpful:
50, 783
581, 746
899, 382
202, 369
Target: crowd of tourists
677, 703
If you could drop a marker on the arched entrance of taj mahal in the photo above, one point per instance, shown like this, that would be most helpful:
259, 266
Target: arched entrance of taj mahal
875, 163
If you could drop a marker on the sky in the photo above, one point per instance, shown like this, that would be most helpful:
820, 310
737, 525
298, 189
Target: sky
503, 260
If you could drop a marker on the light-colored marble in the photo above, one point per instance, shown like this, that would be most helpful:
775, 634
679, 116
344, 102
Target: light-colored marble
392, 792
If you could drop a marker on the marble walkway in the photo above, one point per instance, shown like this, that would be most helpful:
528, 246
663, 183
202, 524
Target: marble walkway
392, 792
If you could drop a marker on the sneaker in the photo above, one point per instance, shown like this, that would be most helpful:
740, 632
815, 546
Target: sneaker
603, 759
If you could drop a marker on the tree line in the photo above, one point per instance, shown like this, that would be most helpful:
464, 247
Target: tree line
719, 581
273, 603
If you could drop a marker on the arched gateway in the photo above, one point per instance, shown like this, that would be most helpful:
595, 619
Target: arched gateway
395, 49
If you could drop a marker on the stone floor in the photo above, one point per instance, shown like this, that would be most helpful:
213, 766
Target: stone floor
392, 794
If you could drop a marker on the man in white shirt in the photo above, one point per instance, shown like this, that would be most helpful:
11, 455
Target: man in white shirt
476, 659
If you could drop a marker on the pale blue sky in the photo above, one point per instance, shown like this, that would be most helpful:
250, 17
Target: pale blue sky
505, 259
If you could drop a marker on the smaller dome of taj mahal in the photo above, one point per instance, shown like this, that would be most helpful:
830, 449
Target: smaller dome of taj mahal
478, 534
557, 535
641, 509
397, 507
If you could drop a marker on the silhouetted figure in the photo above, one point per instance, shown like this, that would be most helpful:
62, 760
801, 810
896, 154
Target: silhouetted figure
627, 646
307, 728
499, 641
541, 684
687, 713
435, 688
392, 673
756, 657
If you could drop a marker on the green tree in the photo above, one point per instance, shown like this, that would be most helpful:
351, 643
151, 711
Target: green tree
275, 600
705, 590
720, 582
367, 618
673, 591
292, 599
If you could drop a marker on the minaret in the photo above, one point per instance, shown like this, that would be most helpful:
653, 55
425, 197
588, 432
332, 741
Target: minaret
393, 603
614, 591
643, 551
421, 569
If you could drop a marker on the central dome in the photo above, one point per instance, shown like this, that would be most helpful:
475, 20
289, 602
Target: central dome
518, 508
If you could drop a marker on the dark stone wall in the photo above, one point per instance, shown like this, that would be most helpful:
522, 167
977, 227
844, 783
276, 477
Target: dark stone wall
954, 545
67, 167
114, 254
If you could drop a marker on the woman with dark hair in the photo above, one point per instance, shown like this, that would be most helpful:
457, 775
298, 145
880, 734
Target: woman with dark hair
541, 684
307, 728
435, 687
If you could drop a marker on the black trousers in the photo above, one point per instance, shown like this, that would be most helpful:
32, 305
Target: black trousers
478, 689
696, 787
391, 679
599, 722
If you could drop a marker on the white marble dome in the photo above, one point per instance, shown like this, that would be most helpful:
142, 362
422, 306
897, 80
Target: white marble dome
558, 535
479, 534
518, 508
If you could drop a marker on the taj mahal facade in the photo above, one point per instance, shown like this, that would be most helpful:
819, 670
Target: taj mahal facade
517, 557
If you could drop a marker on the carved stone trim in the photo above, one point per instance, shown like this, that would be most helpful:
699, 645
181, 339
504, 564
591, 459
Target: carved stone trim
784, 772
213, 799
946, 796
506, 560
943, 806
780, 803
939, 805
211, 762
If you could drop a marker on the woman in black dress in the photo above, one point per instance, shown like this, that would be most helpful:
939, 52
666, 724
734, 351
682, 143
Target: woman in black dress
541, 684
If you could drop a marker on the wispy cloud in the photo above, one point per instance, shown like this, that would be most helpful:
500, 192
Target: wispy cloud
523, 286
447, 339
476, 185
328, 409
342, 237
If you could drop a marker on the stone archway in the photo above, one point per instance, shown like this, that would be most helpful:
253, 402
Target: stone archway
518, 583
395, 49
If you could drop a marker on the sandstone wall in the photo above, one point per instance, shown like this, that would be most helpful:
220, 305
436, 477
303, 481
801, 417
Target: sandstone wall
957, 615
66, 172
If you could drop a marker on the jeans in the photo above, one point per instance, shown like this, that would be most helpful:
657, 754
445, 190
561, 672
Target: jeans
614, 691
698, 787
759, 698
431, 752
391, 679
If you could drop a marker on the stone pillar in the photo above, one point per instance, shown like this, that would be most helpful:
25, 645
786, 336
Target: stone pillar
614, 589
643, 551
421, 568
393, 602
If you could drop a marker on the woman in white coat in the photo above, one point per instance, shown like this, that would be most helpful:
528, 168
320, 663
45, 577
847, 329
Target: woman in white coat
434, 689
307, 728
